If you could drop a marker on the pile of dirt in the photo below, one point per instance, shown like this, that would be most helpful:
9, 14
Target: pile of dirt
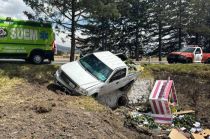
33, 111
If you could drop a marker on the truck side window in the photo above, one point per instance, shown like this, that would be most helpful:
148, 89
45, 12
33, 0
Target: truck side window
198, 51
118, 75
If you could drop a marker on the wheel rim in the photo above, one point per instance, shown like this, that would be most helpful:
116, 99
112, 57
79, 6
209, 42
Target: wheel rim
37, 59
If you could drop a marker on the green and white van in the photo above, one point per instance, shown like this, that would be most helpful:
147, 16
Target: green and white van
29, 40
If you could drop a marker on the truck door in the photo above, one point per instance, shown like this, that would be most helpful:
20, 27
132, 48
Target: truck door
198, 55
116, 81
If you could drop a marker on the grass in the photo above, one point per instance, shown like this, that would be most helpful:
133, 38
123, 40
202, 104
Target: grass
197, 70
6, 86
30, 73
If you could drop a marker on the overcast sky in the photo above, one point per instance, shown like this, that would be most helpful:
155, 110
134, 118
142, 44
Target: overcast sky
15, 8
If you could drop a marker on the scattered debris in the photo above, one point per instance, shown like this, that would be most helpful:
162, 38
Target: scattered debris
162, 117
176, 134
205, 134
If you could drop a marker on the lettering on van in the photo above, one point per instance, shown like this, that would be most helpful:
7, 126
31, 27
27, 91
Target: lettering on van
3, 33
27, 34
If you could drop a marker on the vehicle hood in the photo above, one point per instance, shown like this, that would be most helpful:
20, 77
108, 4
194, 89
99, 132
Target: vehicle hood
79, 75
181, 53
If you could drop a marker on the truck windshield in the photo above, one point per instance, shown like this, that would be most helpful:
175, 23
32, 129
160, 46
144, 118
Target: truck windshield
97, 68
188, 49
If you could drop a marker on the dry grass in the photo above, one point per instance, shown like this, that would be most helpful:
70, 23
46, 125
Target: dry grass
6, 86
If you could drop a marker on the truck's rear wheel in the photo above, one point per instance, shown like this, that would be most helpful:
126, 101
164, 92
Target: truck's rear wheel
207, 61
170, 62
122, 101
37, 58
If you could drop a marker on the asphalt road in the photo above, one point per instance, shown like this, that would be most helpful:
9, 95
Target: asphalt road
63, 61
20, 61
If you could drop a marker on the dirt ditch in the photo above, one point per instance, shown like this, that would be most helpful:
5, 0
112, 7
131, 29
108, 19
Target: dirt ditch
34, 108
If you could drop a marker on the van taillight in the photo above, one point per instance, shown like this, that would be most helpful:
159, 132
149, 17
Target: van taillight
53, 47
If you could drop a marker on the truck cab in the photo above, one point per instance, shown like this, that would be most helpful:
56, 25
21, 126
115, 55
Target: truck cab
188, 54
94, 74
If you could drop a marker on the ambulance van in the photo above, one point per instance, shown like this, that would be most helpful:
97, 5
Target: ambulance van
29, 40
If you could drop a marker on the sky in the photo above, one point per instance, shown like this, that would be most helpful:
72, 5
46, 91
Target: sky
15, 8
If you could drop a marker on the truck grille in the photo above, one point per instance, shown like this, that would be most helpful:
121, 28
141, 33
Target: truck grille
67, 80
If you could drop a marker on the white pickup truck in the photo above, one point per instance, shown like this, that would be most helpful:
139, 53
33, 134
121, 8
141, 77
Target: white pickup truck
95, 74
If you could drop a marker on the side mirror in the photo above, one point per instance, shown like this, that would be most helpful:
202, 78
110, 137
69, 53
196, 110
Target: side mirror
8, 19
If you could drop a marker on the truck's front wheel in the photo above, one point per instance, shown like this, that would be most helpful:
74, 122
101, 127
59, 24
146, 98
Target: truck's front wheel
37, 58
95, 95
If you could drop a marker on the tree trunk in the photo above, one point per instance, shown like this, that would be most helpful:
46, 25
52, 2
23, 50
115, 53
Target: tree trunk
196, 38
160, 40
73, 28
180, 24
137, 45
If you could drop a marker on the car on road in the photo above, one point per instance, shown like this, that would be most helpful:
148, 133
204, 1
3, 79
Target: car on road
95, 74
190, 54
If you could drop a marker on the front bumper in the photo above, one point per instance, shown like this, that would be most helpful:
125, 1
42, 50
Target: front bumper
58, 81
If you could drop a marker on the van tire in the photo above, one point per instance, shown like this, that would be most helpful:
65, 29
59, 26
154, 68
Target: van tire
37, 58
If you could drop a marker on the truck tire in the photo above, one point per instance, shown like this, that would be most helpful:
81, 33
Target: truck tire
127, 86
95, 95
170, 62
37, 58
122, 101
188, 60
207, 61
